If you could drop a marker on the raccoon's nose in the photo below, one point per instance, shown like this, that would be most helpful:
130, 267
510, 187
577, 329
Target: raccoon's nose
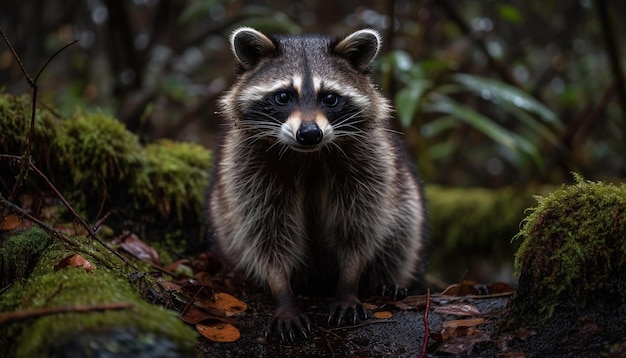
309, 134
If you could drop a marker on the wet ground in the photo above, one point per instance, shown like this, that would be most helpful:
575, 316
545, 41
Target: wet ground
401, 335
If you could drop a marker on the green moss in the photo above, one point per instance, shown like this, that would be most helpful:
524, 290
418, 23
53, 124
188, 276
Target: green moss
72, 286
15, 114
573, 250
174, 178
464, 218
98, 154
19, 253
101, 167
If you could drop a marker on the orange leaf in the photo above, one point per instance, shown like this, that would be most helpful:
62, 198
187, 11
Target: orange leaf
75, 260
463, 323
382, 314
231, 305
219, 332
13, 222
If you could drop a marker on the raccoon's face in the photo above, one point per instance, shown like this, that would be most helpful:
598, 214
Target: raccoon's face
303, 93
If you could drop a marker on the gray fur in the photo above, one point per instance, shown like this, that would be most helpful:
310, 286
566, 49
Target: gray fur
349, 210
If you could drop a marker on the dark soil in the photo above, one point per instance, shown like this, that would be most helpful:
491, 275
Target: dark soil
402, 335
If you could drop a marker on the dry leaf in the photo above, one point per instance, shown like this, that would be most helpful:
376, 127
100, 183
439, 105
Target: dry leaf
75, 260
219, 332
132, 244
369, 306
14, 222
411, 302
382, 314
458, 309
194, 316
231, 305
463, 323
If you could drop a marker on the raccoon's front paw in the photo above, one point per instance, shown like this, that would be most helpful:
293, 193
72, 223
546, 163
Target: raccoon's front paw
287, 322
347, 310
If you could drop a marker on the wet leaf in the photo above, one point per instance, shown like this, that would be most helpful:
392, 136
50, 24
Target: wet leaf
463, 323
382, 314
194, 316
75, 260
463, 344
219, 332
411, 303
133, 245
369, 306
458, 309
485, 125
494, 91
408, 100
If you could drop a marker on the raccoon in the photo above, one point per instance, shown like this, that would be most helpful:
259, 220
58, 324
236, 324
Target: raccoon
311, 191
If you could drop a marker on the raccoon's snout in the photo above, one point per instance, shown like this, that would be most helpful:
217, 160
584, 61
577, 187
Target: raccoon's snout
309, 134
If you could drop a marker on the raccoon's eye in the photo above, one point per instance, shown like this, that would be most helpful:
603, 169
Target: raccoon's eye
282, 98
330, 99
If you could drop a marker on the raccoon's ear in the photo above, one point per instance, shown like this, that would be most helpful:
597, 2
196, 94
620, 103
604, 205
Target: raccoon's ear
359, 48
250, 46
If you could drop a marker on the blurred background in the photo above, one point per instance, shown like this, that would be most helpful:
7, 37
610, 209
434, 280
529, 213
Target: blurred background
491, 95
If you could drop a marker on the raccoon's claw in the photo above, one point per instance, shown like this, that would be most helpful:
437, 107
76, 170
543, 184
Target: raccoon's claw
395, 292
348, 311
288, 324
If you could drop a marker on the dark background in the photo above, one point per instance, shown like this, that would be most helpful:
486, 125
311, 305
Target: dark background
160, 65
491, 94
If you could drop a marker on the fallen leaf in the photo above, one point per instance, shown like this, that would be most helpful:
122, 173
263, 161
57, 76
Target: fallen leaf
231, 305
14, 222
463, 344
410, 302
453, 332
133, 245
458, 309
75, 260
369, 306
219, 332
382, 314
463, 323
194, 316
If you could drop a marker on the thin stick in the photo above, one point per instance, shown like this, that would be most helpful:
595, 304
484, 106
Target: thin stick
38, 312
426, 326
69, 207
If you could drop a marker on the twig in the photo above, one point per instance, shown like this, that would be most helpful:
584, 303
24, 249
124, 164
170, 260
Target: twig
69, 207
37, 312
328, 345
426, 326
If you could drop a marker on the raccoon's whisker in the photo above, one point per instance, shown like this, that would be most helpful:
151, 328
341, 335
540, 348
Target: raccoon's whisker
338, 147
341, 121
267, 116
393, 131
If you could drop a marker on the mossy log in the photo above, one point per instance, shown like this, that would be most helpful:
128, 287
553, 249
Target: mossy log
572, 270
101, 168
63, 309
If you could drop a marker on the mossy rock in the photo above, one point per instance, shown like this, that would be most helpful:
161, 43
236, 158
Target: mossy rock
144, 328
572, 265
